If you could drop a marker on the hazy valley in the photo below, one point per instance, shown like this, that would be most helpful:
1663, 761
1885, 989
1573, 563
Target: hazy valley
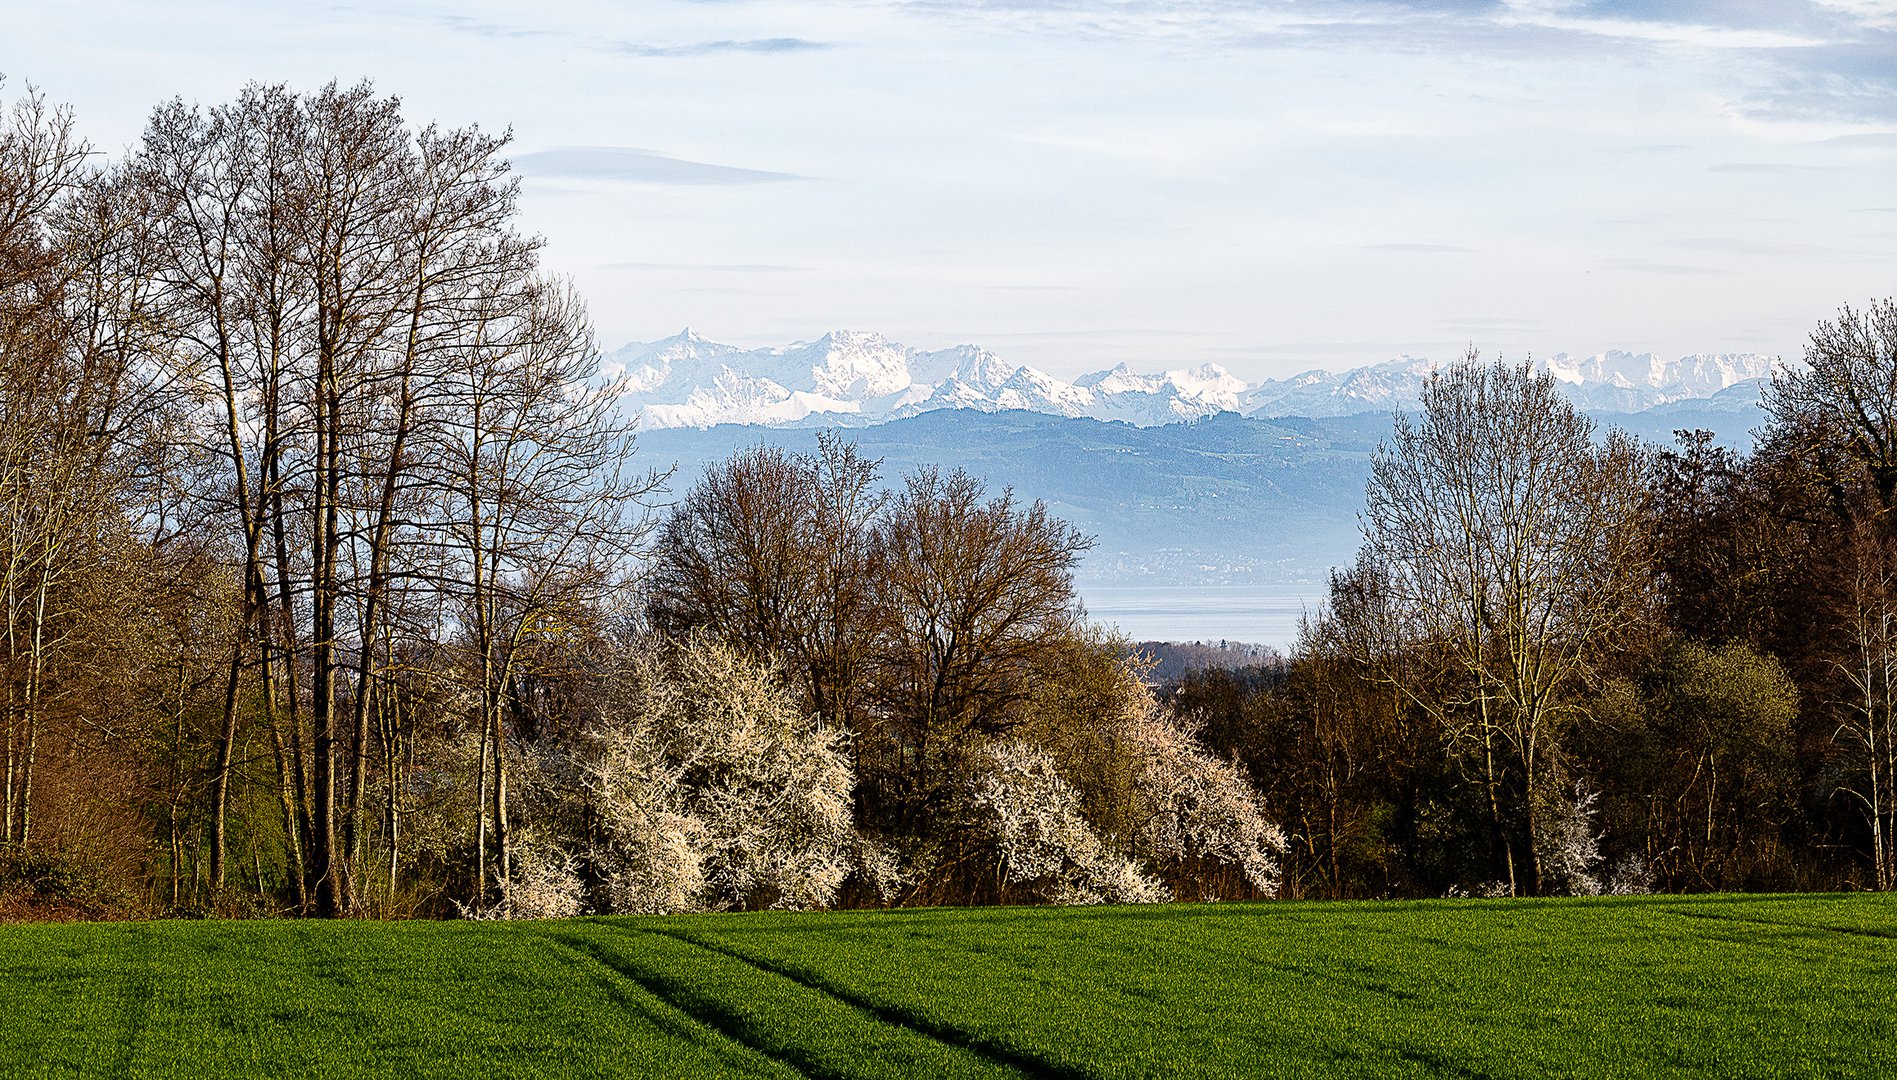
1185, 478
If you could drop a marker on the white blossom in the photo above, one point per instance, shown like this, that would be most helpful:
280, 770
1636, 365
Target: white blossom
1040, 836
1194, 805
545, 884
714, 790
1570, 852
1633, 877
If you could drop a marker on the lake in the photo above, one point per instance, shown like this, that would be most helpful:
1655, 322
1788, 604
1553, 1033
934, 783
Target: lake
1260, 614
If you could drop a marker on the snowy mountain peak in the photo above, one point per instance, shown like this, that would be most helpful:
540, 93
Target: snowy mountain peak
1617, 379
1094, 378
859, 377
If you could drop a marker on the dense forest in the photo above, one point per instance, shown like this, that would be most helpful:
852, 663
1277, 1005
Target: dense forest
1567, 661
334, 585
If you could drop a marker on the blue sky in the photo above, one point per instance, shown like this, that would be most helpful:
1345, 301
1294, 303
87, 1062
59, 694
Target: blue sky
1270, 186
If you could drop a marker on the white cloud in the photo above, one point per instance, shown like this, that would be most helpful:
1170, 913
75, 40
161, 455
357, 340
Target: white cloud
1182, 178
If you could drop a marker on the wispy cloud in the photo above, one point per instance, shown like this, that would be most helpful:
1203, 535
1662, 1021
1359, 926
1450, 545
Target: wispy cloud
712, 48
710, 268
1656, 266
1784, 59
1422, 249
1851, 78
1878, 140
629, 165
641, 49
482, 28
1726, 245
1767, 167
1661, 31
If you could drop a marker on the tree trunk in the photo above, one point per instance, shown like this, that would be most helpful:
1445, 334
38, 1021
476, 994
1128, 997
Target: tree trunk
332, 892
221, 778
480, 829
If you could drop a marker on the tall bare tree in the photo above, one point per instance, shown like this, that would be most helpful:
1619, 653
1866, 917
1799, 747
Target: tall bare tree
80, 405
973, 594
540, 512
1505, 537
352, 303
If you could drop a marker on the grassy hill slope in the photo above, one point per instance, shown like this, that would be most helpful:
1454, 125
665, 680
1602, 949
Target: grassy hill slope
1652, 986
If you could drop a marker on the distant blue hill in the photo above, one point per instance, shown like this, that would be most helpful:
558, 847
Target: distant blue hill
1223, 499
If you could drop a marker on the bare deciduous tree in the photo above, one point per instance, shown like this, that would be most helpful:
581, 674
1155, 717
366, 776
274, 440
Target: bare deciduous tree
410, 447
1502, 535
972, 592
1840, 415
771, 551
539, 513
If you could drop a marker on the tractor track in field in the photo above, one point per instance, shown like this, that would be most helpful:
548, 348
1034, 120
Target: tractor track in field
137, 1012
1854, 931
672, 995
680, 1025
1008, 1057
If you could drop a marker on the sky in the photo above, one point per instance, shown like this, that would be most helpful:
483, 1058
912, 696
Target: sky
1271, 186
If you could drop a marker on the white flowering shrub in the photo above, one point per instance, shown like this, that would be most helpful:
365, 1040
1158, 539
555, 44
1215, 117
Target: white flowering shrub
1570, 852
1194, 807
650, 859
1633, 877
1041, 840
546, 882
714, 790
879, 868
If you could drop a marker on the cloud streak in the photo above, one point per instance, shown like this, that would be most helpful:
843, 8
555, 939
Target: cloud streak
755, 46
1422, 249
630, 165
1785, 60
710, 268
1767, 167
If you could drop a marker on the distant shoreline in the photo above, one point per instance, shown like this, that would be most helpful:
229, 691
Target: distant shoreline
1264, 614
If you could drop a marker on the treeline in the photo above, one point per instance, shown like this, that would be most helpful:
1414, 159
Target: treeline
1567, 662
331, 585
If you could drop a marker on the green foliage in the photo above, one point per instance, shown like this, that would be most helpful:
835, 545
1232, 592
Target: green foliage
1697, 763
1647, 986
44, 881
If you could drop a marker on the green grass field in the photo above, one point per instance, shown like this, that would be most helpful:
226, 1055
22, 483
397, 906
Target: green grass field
1650, 986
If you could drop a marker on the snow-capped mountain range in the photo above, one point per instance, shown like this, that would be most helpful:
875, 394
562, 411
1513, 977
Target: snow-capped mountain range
848, 377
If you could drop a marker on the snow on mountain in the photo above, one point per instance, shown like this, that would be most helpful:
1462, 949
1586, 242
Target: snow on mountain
1165, 398
688, 381
1394, 384
1629, 381
1612, 381
862, 378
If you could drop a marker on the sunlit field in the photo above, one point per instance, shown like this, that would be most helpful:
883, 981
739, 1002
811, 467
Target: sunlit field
1649, 986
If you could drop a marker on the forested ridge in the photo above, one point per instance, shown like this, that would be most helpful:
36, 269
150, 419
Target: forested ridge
333, 586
